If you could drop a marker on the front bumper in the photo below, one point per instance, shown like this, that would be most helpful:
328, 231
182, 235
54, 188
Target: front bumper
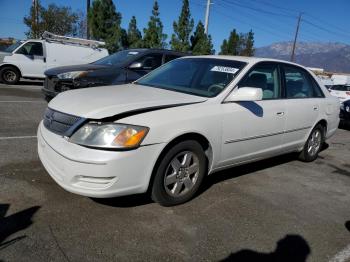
53, 86
344, 116
96, 173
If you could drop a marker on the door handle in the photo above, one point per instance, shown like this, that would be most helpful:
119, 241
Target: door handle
315, 108
280, 113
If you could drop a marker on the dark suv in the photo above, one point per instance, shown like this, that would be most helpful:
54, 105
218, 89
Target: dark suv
122, 67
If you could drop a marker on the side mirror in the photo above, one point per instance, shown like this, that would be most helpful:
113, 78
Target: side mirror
135, 65
245, 94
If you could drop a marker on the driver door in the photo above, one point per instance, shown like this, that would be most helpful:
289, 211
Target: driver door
31, 59
254, 129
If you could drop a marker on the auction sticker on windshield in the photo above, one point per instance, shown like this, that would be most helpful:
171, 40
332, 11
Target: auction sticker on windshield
225, 69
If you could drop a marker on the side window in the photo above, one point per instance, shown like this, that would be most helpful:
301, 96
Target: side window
31, 48
170, 57
151, 61
266, 77
299, 83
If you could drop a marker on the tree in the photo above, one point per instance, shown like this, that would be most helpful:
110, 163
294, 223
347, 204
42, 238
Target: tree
104, 24
248, 44
134, 36
59, 20
35, 26
231, 46
182, 29
201, 43
153, 35
238, 44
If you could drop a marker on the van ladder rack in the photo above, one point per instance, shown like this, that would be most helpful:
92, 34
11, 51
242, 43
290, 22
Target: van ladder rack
71, 40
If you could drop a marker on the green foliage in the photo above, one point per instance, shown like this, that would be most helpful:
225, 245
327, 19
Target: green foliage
55, 19
104, 23
134, 36
182, 29
238, 44
153, 35
201, 43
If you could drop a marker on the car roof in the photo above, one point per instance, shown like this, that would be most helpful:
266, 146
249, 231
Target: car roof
246, 59
148, 50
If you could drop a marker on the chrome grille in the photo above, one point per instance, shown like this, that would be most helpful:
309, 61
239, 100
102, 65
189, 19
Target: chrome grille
61, 123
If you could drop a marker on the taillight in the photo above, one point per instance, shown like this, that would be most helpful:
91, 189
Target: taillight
348, 93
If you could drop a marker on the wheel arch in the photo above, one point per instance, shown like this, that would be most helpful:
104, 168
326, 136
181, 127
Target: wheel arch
201, 139
11, 65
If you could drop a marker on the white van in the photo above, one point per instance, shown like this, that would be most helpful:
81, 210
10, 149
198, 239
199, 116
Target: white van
31, 58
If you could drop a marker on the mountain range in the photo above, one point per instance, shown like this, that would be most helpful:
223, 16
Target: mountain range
332, 57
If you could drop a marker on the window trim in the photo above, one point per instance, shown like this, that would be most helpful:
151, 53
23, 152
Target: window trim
277, 65
310, 78
36, 42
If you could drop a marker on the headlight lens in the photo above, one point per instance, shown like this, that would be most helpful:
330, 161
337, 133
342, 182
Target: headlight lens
72, 75
347, 108
112, 136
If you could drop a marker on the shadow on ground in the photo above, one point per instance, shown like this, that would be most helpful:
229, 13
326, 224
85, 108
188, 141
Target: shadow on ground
11, 224
143, 199
291, 248
347, 225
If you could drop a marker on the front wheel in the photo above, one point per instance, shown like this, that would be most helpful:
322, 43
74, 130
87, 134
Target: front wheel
179, 174
9, 75
313, 145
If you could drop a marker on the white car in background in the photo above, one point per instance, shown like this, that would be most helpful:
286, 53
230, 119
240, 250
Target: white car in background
31, 58
340, 91
189, 118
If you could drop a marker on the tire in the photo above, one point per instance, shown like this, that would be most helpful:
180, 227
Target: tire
48, 98
313, 144
9, 75
179, 174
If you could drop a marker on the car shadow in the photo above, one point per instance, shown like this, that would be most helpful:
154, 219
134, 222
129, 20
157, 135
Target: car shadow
144, 199
344, 126
347, 225
31, 83
11, 224
291, 248
125, 201
245, 169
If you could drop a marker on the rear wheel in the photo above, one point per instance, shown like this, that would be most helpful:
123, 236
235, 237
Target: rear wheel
9, 75
313, 145
179, 174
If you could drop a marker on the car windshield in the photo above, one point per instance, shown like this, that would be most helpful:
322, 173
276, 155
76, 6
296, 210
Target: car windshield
117, 58
199, 76
341, 88
12, 47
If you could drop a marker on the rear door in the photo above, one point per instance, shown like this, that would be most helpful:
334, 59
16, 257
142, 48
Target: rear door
254, 129
31, 59
303, 102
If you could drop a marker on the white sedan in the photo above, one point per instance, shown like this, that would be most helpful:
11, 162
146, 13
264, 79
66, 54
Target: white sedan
189, 118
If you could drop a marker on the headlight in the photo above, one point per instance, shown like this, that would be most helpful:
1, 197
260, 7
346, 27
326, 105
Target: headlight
110, 136
72, 75
347, 108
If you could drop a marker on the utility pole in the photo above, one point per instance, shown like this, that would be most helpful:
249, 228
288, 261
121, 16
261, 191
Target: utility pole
36, 19
207, 17
87, 19
292, 57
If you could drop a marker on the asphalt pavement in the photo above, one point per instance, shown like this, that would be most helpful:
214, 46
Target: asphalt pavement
278, 208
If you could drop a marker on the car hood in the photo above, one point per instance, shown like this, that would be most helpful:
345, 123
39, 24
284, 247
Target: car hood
3, 55
64, 69
109, 101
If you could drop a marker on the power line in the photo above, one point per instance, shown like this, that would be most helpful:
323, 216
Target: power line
258, 9
323, 28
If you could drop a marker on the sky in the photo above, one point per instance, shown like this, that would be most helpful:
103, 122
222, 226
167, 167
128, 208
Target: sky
271, 20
